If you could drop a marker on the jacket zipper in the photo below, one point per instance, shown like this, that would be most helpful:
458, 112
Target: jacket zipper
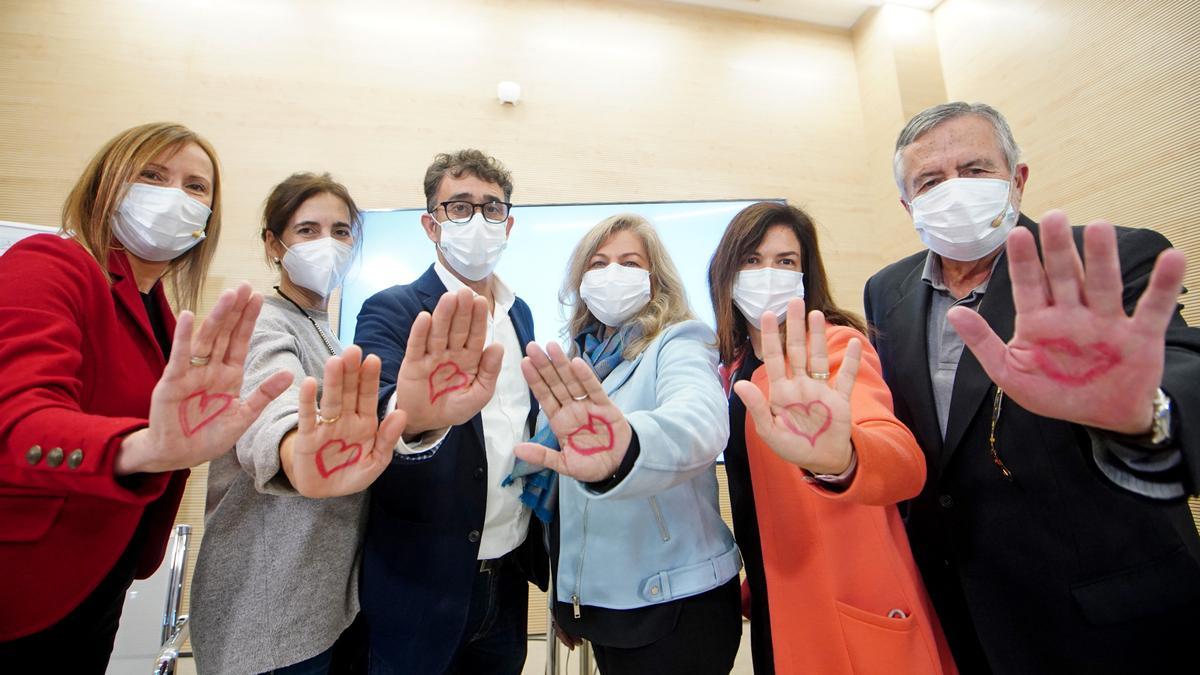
579, 570
662, 522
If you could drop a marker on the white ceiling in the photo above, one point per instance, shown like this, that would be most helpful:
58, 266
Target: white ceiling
835, 13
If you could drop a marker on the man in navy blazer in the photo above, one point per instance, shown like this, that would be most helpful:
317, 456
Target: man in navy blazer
449, 551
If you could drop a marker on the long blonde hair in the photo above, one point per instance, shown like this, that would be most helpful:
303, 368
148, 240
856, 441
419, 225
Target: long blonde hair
88, 211
668, 301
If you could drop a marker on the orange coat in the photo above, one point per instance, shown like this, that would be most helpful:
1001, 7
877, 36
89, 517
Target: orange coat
837, 564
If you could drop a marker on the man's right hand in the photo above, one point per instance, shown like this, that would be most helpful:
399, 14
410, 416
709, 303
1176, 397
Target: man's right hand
447, 375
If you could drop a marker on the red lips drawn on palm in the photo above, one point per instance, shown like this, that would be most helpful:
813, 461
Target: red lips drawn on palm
815, 414
344, 454
447, 377
200, 408
594, 437
1065, 361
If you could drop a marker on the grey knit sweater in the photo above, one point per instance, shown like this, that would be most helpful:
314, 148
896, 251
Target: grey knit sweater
277, 577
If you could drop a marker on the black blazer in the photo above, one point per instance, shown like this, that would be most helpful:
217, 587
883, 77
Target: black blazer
425, 517
1058, 570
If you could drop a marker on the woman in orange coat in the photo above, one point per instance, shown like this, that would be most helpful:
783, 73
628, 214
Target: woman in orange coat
816, 463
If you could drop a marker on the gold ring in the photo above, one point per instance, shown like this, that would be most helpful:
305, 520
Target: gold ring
582, 397
200, 360
819, 376
322, 420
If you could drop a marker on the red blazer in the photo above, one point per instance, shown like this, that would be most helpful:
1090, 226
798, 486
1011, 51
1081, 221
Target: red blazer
837, 564
78, 361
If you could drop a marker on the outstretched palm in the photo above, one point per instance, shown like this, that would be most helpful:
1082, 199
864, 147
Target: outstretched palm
593, 435
806, 421
447, 375
195, 410
343, 447
1075, 355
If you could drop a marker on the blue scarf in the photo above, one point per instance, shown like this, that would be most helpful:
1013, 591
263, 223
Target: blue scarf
540, 491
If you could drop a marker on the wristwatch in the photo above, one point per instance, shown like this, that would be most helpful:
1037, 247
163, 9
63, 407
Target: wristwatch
1160, 430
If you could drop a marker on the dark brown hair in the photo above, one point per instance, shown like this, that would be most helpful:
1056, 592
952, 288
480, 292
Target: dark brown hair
291, 194
87, 214
457, 164
742, 237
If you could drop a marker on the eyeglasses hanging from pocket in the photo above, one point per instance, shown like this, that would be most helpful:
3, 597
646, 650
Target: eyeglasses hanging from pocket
996, 401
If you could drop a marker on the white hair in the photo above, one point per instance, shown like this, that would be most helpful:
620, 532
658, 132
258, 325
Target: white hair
929, 118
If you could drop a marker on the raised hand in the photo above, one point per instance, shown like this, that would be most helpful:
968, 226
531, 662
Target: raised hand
806, 420
341, 448
1075, 355
592, 433
447, 376
195, 410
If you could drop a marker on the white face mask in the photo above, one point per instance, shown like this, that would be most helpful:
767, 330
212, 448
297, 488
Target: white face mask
318, 265
159, 223
766, 289
965, 218
473, 248
615, 293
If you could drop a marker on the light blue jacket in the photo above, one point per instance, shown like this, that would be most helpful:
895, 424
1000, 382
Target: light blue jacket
657, 535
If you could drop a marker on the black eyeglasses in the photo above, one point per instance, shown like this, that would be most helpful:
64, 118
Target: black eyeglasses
460, 211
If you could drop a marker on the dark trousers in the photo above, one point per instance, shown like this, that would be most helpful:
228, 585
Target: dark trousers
494, 640
347, 656
82, 641
317, 665
705, 640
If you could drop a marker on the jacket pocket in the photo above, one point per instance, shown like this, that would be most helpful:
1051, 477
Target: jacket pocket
27, 515
884, 644
1153, 587
660, 519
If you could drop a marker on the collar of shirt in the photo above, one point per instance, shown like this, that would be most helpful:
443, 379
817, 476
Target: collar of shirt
932, 274
502, 294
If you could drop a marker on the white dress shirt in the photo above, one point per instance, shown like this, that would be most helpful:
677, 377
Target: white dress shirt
506, 519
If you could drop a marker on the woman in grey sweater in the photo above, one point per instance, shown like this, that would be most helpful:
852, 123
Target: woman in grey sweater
276, 582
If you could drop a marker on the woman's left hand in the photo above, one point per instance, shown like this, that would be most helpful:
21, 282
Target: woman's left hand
806, 420
592, 432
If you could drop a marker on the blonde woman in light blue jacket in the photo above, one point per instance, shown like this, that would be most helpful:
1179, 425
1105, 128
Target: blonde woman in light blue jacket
644, 566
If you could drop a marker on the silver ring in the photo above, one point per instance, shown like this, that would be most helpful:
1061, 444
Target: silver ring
322, 420
579, 398
819, 376
200, 360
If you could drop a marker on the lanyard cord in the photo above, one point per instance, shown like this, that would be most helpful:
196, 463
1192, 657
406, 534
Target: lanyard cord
311, 320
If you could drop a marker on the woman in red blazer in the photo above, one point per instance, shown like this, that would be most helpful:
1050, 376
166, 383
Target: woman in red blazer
101, 411
816, 463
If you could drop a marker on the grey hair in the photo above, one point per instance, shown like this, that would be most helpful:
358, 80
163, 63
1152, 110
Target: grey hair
929, 118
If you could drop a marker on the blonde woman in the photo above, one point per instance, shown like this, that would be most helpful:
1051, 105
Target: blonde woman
101, 411
644, 566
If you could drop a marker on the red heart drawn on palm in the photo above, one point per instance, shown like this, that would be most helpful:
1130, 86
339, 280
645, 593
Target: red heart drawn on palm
809, 415
342, 455
447, 377
1065, 361
593, 437
197, 410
